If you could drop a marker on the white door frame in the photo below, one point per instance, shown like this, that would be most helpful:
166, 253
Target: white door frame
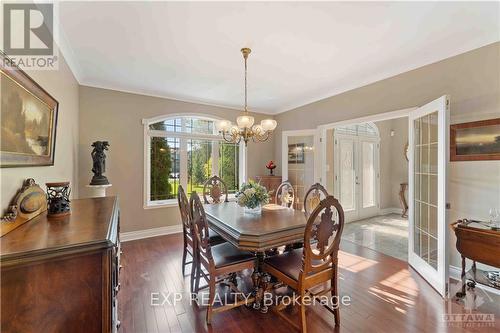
284, 151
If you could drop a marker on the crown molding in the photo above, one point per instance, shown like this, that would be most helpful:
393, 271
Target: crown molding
69, 56
143, 93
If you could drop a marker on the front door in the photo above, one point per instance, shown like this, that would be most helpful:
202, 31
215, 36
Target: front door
428, 151
356, 175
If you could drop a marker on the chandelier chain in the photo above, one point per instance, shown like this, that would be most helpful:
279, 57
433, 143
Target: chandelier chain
246, 110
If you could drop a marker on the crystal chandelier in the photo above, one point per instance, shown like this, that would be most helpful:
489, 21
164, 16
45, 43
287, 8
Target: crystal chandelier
245, 128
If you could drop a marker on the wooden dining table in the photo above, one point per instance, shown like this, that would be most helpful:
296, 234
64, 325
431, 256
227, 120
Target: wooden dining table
273, 227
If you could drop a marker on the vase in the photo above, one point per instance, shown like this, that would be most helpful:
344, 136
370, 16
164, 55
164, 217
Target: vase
256, 210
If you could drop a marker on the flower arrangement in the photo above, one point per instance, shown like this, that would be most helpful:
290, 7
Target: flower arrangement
252, 195
270, 166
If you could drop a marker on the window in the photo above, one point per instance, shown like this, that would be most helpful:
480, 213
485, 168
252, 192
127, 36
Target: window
366, 129
185, 150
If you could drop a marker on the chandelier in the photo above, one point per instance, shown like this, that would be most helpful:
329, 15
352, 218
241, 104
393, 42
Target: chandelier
245, 129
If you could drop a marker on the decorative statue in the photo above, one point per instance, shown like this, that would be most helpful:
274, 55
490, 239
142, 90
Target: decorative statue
99, 163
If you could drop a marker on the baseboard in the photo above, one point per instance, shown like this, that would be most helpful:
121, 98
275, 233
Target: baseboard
147, 233
390, 210
456, 272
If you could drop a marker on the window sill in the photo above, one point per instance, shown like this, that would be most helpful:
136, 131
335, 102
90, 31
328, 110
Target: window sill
174, 203
164, 204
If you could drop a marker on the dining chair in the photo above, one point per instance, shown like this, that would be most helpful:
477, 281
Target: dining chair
214, 189
315, 264
187, 233
313, 197
285, 195
216, 260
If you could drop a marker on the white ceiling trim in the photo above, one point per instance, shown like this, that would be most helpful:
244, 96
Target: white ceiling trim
73, 64
143, 93
69, 56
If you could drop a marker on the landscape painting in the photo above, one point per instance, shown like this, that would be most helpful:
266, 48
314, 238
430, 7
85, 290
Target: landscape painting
296, 153
28, 124
476, 141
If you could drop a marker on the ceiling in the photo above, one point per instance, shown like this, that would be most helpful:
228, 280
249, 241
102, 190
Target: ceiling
301, 52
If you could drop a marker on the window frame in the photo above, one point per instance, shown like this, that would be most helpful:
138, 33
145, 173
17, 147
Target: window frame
183, 172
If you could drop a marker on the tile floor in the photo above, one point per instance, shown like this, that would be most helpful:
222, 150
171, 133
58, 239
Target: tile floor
387, 234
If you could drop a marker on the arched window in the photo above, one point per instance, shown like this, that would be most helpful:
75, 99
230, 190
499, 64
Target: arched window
186, 150
365, 129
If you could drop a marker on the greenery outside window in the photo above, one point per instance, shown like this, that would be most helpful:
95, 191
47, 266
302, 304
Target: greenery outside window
185, 150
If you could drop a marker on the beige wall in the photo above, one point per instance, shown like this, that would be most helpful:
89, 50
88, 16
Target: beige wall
62, 85
393, 165
473, 82
116, 117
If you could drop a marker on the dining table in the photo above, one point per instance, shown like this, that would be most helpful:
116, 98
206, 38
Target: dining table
259, 232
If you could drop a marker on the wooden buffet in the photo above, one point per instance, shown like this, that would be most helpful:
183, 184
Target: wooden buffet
478, 243
61, 275
271, 183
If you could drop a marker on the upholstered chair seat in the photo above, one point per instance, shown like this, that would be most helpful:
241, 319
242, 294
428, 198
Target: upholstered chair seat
227, 254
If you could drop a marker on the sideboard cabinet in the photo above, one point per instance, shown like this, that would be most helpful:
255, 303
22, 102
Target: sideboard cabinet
62, 275
271, 183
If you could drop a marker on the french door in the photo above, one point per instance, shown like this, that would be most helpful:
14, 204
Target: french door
356, 169
428, 151
300, 162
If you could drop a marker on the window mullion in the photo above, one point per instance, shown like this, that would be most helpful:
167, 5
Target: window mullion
215, 158
183, 164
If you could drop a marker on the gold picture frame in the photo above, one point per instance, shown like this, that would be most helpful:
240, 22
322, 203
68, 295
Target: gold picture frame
29, 119
475, 141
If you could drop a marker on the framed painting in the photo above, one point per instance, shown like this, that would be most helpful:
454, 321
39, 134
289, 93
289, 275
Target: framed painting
475, 141
296, 153
29, 119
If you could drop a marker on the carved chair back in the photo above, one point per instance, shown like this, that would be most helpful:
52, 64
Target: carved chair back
200, 229
285, 195
322, 237
313, 197
185, 212
214, 189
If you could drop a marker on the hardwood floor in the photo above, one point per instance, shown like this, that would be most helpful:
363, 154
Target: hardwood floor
386, 296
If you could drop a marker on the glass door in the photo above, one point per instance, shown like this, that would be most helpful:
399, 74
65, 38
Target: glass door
299, 162
427, 252
347, 177
368, 171
356, 180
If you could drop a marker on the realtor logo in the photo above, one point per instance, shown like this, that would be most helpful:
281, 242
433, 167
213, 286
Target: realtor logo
28, 35
28, 29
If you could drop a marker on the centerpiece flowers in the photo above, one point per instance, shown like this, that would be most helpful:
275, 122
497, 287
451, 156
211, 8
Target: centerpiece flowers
252, 196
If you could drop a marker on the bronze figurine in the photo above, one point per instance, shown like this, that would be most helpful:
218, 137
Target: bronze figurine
99, 163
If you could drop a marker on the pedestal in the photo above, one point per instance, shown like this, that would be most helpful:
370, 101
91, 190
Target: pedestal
98, 191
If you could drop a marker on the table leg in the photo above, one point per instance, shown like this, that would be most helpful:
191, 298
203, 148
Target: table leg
266, 278
256, 278
461, 293
260, 281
